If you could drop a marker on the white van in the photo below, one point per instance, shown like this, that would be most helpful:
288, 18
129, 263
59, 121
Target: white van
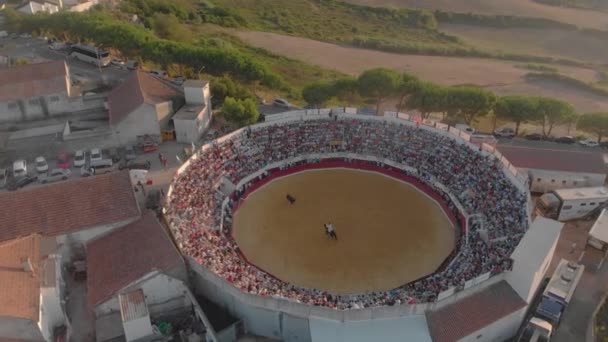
19, 168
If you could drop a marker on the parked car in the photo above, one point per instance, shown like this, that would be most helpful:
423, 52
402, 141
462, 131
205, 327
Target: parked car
132, 65
589, 143
281, 103
135, 165
41, 164
179, 80
565, 140
95, 155
118, 62
19, 168
79, 158
159, 73
54, 176
534, 136
20, 182
63, 161
465, 128
97, 167
130, 153
3, 178
114, 155
504, 132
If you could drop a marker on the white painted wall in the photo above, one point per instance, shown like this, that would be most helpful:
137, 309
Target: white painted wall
56, 104
187, 131
196, 95
410, 328
19, 329
34, 7
138, 328
164, 111
51, 312
158, 289
500, 330
545, 180
140, 122
524, 279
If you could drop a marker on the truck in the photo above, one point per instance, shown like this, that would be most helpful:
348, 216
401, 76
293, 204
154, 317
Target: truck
571, 204
553, 303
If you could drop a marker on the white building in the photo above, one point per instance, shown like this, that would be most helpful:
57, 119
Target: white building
35, 6
598, 235
36, 91
550, 169
139, 256
141, 106
31, 290
195, 116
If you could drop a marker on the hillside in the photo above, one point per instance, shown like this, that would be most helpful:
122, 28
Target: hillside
529, 8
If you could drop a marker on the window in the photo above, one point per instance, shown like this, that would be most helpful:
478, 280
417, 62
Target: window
12, 105
553, 181
54, 98
566, 207
538, 179
574, 183
34, 102
563, 182
583, 204
592, 203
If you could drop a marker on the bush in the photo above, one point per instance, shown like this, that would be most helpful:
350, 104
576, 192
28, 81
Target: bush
241, 112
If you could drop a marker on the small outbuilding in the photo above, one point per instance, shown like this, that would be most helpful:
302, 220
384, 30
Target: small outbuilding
598, 235
194, 117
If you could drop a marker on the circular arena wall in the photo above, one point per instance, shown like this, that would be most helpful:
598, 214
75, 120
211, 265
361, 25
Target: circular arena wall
238, 299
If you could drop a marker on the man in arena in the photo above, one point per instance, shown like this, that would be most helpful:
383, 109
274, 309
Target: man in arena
330, 231
291, 199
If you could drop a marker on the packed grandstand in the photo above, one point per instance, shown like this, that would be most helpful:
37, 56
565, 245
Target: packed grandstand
476, 181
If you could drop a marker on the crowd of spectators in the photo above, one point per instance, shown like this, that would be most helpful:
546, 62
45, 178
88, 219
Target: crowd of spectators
477, 182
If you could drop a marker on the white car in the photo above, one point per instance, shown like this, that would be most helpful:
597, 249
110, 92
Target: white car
41, 165
19, 168
505, 132
54, 176
79, 158
118, 62
589, 143
281, 103
95, 155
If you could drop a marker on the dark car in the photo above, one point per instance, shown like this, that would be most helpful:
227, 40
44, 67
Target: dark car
114, 154
534, 136
22, 181
604, 144
135, 165
565, 140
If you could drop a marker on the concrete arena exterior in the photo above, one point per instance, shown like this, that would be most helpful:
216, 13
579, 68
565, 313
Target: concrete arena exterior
291, 321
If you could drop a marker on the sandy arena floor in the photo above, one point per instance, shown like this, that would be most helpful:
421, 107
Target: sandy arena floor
389, 232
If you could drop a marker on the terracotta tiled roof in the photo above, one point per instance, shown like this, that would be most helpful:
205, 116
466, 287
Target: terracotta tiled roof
138, 89
125, 255
552, 159
462, 318
20, 289
25, 81
68, 206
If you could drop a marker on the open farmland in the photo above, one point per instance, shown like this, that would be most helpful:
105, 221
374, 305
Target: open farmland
528, 8
543, 42
503, 77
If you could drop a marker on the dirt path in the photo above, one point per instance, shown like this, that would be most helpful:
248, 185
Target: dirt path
503, 77
528, 8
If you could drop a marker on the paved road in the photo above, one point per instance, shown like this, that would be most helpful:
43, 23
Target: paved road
549, 145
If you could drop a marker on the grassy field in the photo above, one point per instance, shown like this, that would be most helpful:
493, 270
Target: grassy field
549, 42
529, 8
502, 77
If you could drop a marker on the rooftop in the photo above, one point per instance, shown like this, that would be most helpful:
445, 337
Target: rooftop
195, 83
68, 206
127, 254
462, 318
20, 289
133, 305
139, 88
537, 242
25, 81
189, 112
600, 227
552, 159
589, 192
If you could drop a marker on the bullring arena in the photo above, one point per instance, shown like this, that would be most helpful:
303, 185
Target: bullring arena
424, 220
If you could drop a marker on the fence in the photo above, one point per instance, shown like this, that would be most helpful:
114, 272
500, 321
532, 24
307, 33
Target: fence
519, 179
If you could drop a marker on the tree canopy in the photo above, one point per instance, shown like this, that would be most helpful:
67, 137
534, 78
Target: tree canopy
427, 98
378, 84
470, 102
241, 112
553, 112
406, 85
318, 93
517, 109
594, 123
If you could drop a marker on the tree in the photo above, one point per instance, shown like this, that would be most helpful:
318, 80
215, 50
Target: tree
427, 98
240, 112
570, 119
406, 85
517, 109
346, 88
594, 123
378, 84
168, 26
553, 112
470, 102
318, 93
